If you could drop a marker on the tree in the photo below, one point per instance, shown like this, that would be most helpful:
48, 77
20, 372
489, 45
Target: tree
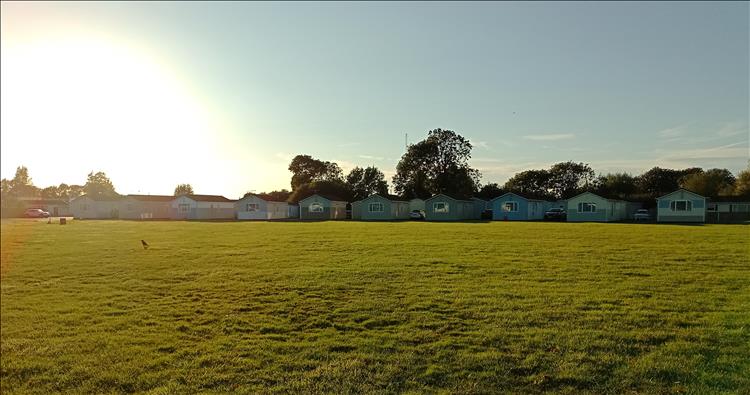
183, 189
306, 169
533, 183
742, 184
334, 188
566, 179
21, 185
365, 182
276, 196
437, 164
710, 183
657, 181
98, 184
490, 191
622, 185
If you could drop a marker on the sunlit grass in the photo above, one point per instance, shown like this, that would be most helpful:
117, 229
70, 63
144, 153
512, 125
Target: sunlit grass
374, 307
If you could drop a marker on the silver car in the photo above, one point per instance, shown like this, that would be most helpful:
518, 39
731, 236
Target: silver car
642, 215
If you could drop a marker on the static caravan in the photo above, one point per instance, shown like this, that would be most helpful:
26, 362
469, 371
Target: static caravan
590, 207
202, 207
262, 207
95, 207
146, 207
378, 207
728, 210
442, 207
479, 206
681, 206
322, 207
514, 207
55, 207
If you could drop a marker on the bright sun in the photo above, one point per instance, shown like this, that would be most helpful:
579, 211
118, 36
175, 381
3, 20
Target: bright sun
106, 105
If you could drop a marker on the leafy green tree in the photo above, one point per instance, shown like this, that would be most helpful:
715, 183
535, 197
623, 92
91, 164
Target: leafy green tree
569, 178
710, 183
21, 185
333, 188
306, 169
622, 185
183, 189
534, 183
437, 164
366, 181
490, 191
742, 184
99, 184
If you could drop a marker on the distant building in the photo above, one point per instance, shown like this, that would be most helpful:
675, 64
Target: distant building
202, 207
95, 207
379, 207
146, 206
730, 209
590, 207
443, 207
681, 206
514, 207
55, 207
263, 207
322, 207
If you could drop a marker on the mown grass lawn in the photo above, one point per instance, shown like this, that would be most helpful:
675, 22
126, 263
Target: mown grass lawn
374, 307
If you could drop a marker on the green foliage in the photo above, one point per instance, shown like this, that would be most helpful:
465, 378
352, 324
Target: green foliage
351, 307
710, 183
530, 183
437, 164
365, 182
99, 184
183, 189
742, 185
621, 185
490, 191
334, 188
306, 169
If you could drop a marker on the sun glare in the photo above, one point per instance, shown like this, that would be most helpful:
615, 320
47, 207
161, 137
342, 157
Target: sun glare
105, 104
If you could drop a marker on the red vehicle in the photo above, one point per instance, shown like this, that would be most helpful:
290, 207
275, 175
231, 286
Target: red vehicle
36, 213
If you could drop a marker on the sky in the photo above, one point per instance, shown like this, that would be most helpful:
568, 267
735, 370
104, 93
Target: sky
223, 95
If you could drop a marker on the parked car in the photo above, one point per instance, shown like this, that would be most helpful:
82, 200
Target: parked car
486, 214
416, 214
642, 215
557, 213
36, 213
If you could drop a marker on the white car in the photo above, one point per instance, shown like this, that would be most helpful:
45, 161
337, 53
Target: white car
642, 215
36, 213
416, 214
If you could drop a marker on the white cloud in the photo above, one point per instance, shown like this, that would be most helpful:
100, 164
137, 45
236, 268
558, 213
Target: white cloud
676, 131
549, 137
370, 157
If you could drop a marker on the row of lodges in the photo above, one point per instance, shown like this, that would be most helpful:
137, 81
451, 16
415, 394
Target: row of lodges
679, 206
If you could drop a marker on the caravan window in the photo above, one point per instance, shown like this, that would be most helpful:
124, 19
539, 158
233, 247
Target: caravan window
252, 206
440, 207
376, 207
510, 207
681, 205
183, 208
586, 207
316, 207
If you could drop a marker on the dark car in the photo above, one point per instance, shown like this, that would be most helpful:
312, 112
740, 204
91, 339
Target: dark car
486, 214
555, 214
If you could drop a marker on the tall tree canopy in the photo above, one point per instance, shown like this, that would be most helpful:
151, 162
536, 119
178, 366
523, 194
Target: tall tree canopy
365, 182
569, 178
710, 183
306, 169
437, 164
490, 191
99, 184
622, 185
183, 189
21, 185
742, 184
334, 188
534, 183
657, 181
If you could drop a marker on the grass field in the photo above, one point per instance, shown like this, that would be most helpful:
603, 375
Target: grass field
374, 307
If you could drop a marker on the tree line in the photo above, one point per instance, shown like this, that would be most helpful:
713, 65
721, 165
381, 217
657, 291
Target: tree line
437, 164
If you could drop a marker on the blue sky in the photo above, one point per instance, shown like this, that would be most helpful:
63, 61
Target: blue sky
622, 86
